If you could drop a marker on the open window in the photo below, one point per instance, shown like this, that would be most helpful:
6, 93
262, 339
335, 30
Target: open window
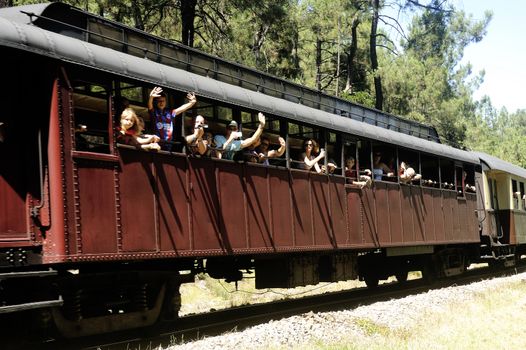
410, 160
447, 174
384, 162
522, 198
333, 160
430, 171
299, 136
516, 195
91, 117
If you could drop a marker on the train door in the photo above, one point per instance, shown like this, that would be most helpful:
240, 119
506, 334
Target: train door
23, 132
92, 172
494, 203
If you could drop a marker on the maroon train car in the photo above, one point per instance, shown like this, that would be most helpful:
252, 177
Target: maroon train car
98, 236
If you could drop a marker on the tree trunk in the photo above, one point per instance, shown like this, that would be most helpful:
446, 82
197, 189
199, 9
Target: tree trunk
318, 62
374, 59
351, 57
187, 20
137, 16
259, 39
6, 3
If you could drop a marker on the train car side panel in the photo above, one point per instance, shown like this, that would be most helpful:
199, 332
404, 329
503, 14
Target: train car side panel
204, 206
96, 200
338, 211
231, 189
281, 208
395, 214
173, 203
383, 212
407, 214
137, 202
354, 215
258, 207
428, 208
321, 211
369, 223
302, 214
418, 214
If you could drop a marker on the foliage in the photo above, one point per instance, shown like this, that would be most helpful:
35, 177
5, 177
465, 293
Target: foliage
326, 45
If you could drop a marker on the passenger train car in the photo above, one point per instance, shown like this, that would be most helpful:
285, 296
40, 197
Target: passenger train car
96, 236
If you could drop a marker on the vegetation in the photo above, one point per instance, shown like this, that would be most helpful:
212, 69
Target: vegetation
355, 49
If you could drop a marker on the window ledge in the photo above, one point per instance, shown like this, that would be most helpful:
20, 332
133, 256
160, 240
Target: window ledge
95, 156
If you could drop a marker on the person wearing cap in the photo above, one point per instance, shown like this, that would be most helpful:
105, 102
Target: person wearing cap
232, 142
162, 117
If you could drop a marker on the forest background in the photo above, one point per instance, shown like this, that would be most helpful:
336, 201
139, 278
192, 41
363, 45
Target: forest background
354, 49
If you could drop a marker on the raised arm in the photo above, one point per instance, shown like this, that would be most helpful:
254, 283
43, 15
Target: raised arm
156, 92
257, 133
279, 152
314, 162
197, 138
191, 101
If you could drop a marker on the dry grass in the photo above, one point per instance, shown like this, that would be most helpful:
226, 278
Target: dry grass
492, 320
208, 294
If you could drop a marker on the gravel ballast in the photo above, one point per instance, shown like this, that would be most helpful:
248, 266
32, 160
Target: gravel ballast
333, 327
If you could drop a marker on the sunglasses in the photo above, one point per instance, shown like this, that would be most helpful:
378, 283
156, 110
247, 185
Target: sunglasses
265, 144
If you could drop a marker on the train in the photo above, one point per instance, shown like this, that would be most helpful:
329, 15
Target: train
98, 237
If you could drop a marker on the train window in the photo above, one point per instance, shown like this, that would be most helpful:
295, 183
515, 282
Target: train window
411, 160
294, 129
447, 174
430, 171
515, 194
91, 123
522, 196
131, 92
246, 117
203, 108
356, 160
459, 180
469, 178
334, 155
224, 113
384, 162
297, 134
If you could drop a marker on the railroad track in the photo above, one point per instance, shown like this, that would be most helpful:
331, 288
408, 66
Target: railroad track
193, 327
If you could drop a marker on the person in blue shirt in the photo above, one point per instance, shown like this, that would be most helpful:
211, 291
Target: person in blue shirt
232, 142
162, 117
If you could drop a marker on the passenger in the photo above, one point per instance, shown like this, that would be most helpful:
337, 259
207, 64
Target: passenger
407, 173
131, 129
121, 103
471, 188
232, 142
250, 154
354, 176
194, 142
308, 156
162, 117
264, 153
208, 140
330, 167
380, 168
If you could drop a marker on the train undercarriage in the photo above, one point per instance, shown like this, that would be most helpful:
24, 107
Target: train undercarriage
95, 299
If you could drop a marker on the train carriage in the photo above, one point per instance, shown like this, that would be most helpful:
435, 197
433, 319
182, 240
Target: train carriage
109, 232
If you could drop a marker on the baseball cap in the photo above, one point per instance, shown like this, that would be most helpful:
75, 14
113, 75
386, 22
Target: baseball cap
233, 124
